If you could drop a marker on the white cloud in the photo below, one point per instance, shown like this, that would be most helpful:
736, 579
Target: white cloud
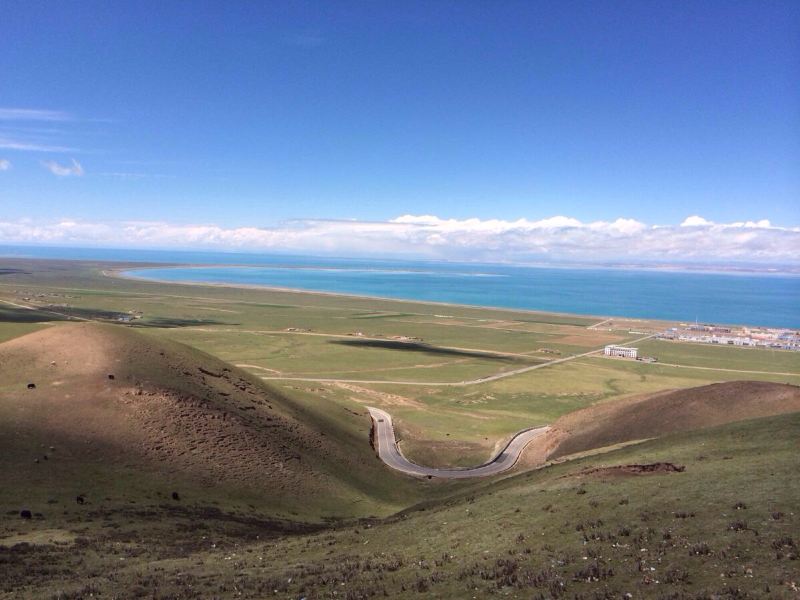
64, 170
762, 224
556, 238
489, 225
31, 114
36, 130
17, 144
5, 164
695, 221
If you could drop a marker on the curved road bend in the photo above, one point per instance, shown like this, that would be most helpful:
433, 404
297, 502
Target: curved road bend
390, 454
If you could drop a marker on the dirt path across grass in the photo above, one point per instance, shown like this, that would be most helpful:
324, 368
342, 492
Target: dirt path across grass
487, 379
743, 371
596, 325
479, 380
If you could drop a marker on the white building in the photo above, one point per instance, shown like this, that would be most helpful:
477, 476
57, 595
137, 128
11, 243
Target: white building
621, 351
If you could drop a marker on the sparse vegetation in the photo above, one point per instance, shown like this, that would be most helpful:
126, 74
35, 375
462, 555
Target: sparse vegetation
153, 500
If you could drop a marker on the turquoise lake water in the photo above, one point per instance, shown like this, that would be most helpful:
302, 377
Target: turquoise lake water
756, 299
709, 297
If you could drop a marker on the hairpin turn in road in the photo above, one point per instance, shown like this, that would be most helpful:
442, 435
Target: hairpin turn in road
390, 454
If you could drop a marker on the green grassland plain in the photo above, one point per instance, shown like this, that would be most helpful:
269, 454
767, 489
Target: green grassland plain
293, 338
722, 527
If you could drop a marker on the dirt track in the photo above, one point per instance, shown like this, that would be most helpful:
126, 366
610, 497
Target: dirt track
486, 379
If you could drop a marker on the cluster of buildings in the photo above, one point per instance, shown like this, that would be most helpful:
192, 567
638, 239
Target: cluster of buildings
778, 339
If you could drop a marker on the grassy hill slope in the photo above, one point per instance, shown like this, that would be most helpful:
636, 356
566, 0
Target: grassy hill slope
707, 513
655, 415
124, 420
720, 523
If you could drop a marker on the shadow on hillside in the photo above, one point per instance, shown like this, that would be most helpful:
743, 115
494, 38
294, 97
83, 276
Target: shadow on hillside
126, 319
12, 271
422, 348
93, 314
13, 314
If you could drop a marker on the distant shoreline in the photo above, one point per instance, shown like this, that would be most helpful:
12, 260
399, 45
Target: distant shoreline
512, 290
121, 273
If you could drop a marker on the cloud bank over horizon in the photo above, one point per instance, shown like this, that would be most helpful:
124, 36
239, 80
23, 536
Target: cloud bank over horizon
558, 238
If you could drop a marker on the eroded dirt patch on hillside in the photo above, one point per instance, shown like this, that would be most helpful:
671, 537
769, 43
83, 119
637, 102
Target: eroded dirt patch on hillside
658, 468
385, 397
39, 537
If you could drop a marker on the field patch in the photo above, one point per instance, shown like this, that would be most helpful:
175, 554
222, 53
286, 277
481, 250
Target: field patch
725, 357
364, 394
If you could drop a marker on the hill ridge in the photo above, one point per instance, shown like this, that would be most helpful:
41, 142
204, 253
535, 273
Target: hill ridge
662, 413
109, 395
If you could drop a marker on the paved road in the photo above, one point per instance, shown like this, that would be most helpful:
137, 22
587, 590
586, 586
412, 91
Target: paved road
391, 455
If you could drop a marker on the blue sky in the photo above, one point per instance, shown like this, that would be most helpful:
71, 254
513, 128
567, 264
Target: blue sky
239, 115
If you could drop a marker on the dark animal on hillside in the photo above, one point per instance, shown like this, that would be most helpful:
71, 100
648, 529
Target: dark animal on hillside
25, 514
31, 386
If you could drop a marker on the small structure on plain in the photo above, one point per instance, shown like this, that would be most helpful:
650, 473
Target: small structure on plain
622, 351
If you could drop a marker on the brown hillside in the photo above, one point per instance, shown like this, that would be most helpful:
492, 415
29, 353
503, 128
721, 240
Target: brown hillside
170, 411
667, 412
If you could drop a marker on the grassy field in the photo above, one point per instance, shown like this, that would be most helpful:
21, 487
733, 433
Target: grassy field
349, 338
706, 355
173, 417
9, 331
343, 357
718, 527
502, 407
279, 492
